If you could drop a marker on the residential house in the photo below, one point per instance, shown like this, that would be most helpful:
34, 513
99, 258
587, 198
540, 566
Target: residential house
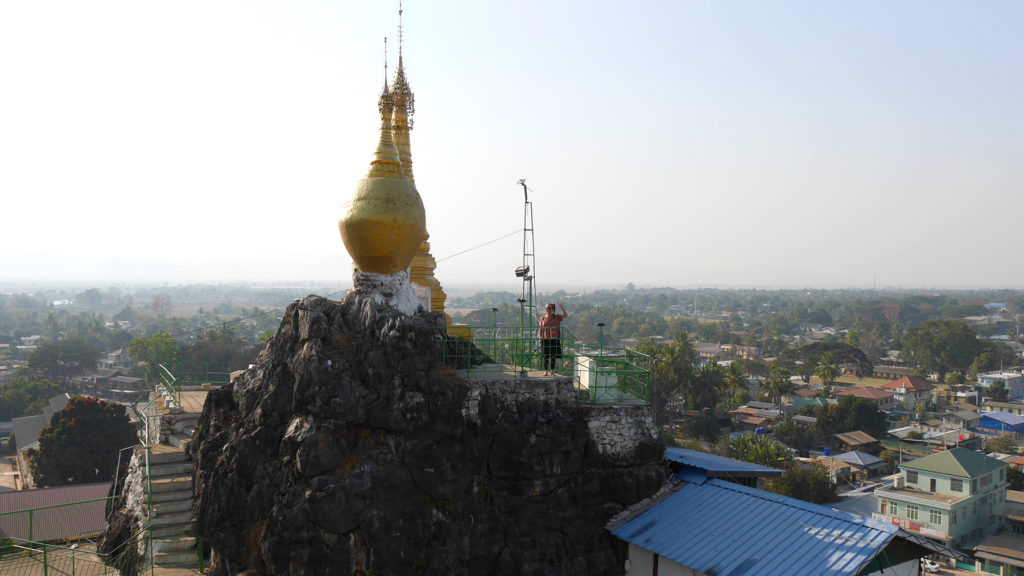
882, 399
958, 396
955, 497
908, 391
114, 360
958, 419
1015, 408
754, 415
864, 464
856, 440
719, 527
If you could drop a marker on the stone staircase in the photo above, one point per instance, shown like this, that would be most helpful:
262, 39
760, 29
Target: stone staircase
170, 518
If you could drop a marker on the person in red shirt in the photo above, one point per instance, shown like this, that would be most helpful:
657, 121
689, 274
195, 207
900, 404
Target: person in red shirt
551, 336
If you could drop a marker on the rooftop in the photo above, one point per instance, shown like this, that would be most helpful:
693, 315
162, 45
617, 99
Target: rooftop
695, 526
909, 383
959, 462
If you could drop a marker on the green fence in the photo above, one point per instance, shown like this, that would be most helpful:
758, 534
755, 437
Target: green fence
172, 377
601, 375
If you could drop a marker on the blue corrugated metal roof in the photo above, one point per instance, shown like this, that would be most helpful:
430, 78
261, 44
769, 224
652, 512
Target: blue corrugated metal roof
719, 465
730, 530
1004, 417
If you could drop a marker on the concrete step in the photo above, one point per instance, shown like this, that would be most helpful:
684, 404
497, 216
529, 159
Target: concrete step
170, 469
185, 559
184, 494
172, 531
171, 484
174, 544
170, 519
173, 506
181, 441
163, 454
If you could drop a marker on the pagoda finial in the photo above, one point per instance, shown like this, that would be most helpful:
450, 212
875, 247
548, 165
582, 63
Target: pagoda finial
399, 30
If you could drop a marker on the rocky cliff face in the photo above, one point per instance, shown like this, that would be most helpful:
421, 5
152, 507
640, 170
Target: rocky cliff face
351, 449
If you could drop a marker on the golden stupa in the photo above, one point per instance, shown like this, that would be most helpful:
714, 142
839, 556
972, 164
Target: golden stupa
385, 222
423, 263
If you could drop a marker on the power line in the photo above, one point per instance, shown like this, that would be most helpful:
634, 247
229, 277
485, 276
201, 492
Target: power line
512, 233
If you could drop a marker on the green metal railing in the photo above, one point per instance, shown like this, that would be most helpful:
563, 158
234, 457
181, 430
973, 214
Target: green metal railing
171, 382
23, 523
601, 375
25, 558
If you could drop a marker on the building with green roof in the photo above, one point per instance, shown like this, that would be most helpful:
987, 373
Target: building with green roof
955, 496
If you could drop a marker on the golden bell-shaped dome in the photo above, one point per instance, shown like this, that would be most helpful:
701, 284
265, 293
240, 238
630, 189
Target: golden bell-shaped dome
385, 222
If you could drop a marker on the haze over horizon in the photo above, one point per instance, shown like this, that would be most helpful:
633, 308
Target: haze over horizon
676, 144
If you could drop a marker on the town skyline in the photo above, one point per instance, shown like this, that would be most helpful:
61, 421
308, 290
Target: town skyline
670, 144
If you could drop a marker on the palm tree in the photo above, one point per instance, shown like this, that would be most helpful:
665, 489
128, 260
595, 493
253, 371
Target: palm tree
778, 385
735, 378
827, 369
706, 387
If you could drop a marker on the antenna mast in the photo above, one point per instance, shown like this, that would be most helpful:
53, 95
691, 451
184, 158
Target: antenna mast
528, 270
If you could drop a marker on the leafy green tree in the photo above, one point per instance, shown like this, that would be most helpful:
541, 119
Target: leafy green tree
941, 346
81, 443
62, 360
1015, 478
804, 360
808, 483
955, 378
704, 426
152, 352
795, 435
22, 396
756, 448
1006, 444
997, 391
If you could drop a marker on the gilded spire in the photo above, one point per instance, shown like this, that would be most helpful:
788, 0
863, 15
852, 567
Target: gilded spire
405, 107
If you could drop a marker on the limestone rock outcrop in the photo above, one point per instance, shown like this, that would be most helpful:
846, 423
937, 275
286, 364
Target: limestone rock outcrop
350, 448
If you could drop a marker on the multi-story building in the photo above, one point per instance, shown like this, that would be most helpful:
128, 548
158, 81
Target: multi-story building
909, 391
955, 496
1012, 379
882, 399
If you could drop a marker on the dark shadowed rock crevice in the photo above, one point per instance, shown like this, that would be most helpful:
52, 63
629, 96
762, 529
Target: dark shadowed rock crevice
351, 449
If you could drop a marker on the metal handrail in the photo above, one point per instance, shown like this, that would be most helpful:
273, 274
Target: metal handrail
618, 375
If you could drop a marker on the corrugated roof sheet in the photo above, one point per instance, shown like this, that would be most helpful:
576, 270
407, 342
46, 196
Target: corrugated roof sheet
859, 458
27, 429
855, 437
719, 466
54, 523
1004, 417
730, 530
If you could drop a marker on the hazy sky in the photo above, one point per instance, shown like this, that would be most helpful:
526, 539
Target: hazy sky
666, 143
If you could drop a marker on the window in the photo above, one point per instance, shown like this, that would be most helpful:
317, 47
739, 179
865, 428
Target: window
956, 485
952, 518
974, 485
912, 511
1002, 474
935, 516
895, 510
911, 477
931, 487
986, 480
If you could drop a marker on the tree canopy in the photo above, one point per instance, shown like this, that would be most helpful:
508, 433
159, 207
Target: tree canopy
809, 483
81, 443
941, 346
805, 359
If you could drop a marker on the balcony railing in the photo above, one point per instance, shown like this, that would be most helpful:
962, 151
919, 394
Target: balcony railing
601, 375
